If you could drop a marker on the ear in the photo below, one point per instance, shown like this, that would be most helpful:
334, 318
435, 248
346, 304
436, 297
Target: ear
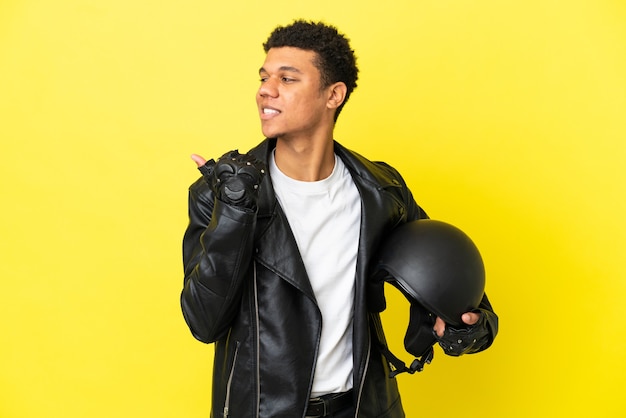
336, 95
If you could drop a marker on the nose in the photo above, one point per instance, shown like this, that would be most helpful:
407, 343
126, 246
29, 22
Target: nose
268, 88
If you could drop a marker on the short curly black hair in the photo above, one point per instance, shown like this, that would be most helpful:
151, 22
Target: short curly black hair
336, 60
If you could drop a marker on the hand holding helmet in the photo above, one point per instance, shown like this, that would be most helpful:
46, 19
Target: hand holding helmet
456, 341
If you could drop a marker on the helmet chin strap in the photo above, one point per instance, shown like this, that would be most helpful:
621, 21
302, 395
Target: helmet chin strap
419, 341
398, 366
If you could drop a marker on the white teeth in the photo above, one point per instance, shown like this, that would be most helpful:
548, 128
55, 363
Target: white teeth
270, 111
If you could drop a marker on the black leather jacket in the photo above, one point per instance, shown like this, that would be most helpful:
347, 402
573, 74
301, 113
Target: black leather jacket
247, 291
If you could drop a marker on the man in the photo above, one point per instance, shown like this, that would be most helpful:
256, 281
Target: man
278, 250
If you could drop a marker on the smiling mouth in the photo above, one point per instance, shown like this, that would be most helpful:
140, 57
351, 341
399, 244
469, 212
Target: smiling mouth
267, 111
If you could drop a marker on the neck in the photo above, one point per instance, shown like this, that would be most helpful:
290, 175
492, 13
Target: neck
306, 159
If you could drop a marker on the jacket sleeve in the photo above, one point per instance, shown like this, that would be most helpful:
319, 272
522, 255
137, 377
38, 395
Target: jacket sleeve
217, 254
490, 321
414, 211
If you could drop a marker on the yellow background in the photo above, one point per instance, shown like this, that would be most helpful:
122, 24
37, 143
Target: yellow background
507, 118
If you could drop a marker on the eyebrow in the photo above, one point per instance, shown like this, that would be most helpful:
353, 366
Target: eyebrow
283, 68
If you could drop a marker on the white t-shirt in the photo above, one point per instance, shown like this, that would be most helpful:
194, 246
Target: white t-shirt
325, 217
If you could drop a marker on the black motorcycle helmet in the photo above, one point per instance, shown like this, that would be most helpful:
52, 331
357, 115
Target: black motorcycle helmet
439, 270
437, 265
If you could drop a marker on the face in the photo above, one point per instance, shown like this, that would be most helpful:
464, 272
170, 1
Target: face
290, 100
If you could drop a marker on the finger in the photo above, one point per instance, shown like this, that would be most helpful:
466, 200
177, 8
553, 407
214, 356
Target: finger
200, 161
470, 318
440, 327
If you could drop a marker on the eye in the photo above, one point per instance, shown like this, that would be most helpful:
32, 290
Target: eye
287, 80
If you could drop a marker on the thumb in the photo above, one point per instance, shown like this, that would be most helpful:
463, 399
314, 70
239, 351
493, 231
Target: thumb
199, 160
470, 318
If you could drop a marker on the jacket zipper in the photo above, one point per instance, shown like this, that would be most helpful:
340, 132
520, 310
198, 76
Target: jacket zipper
232, 370
362, 383
230, 381
258, 338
